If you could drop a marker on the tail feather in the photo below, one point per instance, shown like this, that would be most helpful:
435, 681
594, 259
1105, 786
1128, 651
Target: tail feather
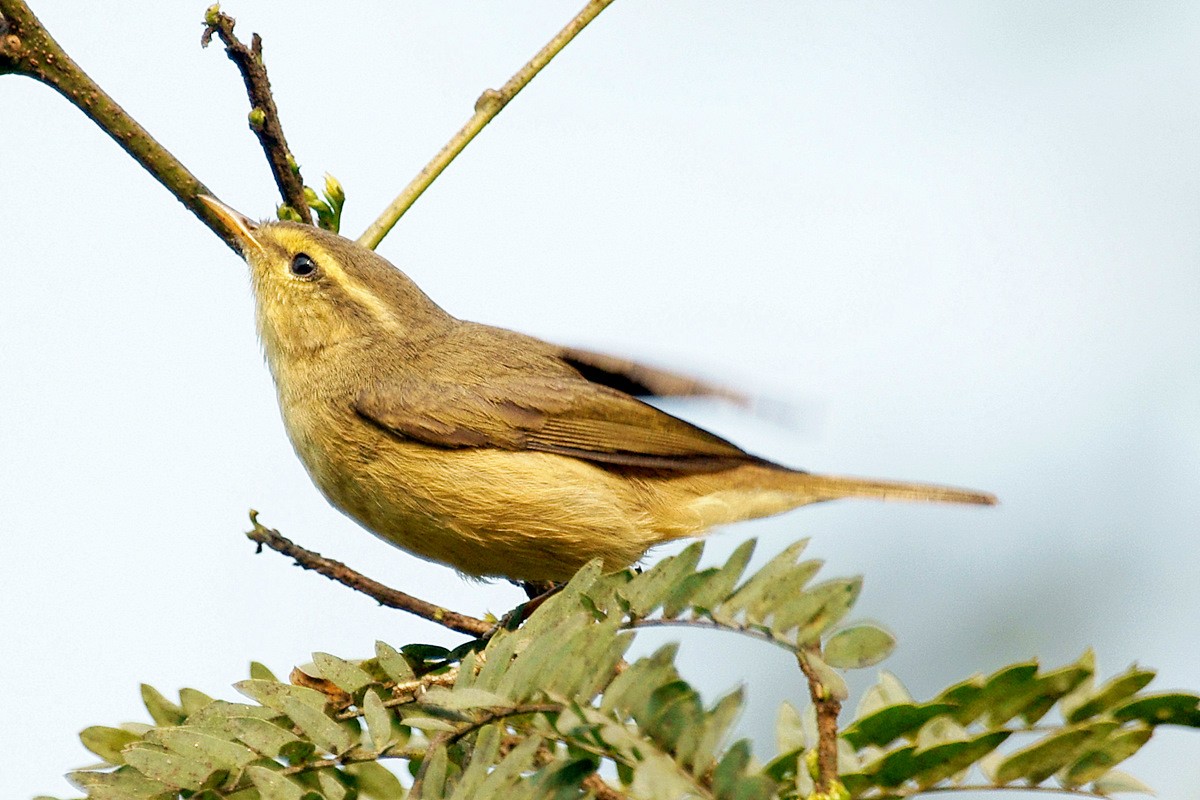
831, 487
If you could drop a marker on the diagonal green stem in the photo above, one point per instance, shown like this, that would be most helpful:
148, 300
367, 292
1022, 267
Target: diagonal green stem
489, 104
27, 48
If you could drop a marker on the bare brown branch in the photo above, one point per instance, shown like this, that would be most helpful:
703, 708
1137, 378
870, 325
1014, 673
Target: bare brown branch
384, 595
27, 48
828, 707
264, 115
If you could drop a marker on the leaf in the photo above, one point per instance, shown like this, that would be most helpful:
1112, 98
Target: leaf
162, 710
631, 689
716, 727
930, 765
375, 781
731, 768
331, 787
891, 722
1105, 755
858, 646
341, 673
107, 742
996, 690
392, 663
429, 724
170, 768
1046, 756
1112, 692
940, 730
264, 737
717, 586
436, 766
260, 672
124, 782
483, 756
275, 695
193, 700
1051, 688
887, 691
832, 681
324, 732
193, 743
789, 729
463, 699
508, 771
1117, 781
963, 694
648, 591
379, 720
774, 591
1167, 708
273, 786
673, 711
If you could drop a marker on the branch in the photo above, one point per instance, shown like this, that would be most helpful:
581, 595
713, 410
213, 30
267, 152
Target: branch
384, 595
828, 707
264, 116
489, 104
27, 48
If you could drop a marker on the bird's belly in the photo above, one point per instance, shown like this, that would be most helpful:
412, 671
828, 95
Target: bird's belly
485, 512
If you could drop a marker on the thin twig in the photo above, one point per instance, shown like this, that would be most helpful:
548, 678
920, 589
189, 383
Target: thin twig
384, 595
828, 707
754, 633
264, 116
27, 48
489, 104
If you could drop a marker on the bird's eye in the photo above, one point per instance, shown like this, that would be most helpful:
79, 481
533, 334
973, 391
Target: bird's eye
303, 266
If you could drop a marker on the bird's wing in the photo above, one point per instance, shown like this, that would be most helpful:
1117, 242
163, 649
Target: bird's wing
553, 411
643, 380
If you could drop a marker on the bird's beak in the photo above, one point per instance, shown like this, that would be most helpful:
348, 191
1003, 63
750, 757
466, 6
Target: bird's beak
241, 226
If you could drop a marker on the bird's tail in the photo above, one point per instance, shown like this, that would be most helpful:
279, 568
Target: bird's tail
831, 487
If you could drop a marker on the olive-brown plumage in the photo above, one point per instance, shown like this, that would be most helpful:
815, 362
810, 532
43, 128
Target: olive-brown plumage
493, 452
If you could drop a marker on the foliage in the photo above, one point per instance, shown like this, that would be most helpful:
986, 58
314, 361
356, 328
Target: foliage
549, 708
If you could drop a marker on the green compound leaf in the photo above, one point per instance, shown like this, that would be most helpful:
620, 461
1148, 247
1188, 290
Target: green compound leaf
858, 646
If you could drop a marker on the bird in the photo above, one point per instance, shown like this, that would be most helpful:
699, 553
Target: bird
492, 452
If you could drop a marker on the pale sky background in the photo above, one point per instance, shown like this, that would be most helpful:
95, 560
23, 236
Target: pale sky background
960, 241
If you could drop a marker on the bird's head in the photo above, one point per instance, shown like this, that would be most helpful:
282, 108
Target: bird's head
314, 289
